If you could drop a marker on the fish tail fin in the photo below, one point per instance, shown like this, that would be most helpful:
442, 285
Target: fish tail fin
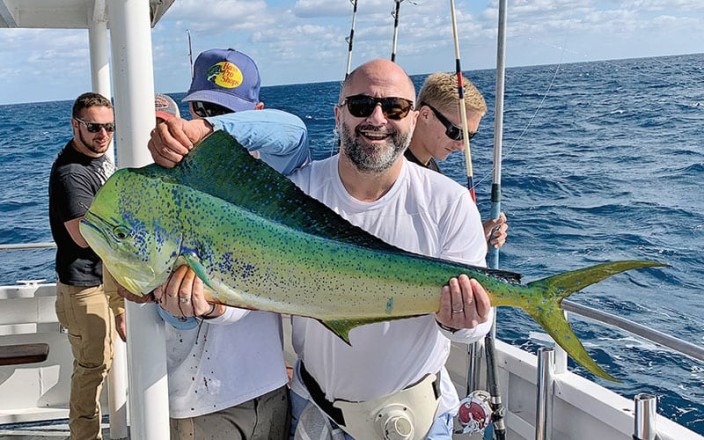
549, 313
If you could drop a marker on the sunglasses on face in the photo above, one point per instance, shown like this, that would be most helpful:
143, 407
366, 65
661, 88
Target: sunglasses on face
208, 109
362, 106
95, 127
451, 131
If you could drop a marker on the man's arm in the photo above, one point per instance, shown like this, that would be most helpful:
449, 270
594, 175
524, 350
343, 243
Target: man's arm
172, 140
280, 138
75, 233
183, 298
116, 303
76, 193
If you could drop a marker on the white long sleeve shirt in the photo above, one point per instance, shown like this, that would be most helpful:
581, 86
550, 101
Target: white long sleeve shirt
425, 213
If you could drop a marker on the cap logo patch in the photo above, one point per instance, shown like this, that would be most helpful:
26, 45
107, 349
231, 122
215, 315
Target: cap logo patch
160, 104
225, 74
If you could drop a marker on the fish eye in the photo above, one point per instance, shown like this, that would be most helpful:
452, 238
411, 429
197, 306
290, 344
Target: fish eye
120, 232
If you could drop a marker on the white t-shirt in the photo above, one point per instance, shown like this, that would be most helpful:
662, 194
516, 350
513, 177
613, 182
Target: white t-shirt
425, 213
231, 359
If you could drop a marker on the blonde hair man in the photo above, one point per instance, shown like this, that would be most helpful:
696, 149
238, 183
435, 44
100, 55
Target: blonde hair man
439, 131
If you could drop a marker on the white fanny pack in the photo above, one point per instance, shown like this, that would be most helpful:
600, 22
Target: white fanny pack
405, 415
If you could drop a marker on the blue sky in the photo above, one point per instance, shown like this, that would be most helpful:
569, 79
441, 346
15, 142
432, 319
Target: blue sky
299, 41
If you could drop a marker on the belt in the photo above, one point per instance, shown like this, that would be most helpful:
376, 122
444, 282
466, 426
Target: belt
318, 396
335, 414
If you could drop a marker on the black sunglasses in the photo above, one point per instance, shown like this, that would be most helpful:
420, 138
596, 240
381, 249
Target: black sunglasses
451, 131
208, 109
95, 127
361, 106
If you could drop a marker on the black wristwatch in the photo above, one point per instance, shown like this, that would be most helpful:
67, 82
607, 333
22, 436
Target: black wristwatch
446, 328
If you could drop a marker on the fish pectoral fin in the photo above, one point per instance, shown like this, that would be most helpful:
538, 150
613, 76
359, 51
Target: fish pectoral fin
553, 320
342, 327
194, 263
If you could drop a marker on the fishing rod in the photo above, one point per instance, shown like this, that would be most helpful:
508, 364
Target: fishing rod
395, 15
472, 367
497, 429
190, 52
351, 38
463, 110
492, 375
498, 125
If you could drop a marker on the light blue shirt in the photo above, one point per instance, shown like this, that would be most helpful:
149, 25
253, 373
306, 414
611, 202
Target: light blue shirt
280, 138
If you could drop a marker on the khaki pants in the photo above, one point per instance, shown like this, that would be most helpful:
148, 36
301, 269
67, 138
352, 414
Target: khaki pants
263, 418
84, 312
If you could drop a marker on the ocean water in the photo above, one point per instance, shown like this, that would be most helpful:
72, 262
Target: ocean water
602, 161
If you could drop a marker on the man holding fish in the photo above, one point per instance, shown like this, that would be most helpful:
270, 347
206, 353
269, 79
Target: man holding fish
390, 364
227, 372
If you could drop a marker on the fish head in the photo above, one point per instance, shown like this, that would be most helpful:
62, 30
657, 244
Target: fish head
128, 225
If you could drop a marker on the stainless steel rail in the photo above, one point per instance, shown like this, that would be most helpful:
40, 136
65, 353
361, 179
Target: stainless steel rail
24, 246
688, 349
644, 426
545, 394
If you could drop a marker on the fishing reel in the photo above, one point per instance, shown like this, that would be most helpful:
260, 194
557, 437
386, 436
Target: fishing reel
474, 414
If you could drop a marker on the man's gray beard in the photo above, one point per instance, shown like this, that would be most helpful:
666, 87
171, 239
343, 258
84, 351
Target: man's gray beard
375, 161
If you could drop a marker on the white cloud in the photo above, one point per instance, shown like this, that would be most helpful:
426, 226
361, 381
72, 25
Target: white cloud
304, 40
321, 8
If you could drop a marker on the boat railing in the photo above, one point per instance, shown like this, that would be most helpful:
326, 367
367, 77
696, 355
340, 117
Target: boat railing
678, 345
552, 361
24, 246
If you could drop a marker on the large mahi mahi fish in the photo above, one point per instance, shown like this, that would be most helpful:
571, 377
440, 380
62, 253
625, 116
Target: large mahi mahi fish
259, 242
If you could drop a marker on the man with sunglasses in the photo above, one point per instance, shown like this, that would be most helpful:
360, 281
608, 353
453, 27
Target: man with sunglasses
439, 133
371, 185
82, 306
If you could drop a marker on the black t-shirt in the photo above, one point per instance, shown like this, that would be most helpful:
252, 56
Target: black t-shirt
432, 164
74, 181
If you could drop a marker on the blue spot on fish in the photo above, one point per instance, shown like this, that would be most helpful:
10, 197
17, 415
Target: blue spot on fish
389, 305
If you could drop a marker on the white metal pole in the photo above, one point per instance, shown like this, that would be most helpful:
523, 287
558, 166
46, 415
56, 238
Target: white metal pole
117, 377
133, 76
100, 65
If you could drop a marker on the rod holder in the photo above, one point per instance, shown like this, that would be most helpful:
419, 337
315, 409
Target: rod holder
645, 417
546, 379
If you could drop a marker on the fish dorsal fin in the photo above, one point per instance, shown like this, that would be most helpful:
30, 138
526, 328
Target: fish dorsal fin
220, 166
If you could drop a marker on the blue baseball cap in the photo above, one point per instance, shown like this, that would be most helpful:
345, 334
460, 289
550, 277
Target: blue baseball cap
225, 77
